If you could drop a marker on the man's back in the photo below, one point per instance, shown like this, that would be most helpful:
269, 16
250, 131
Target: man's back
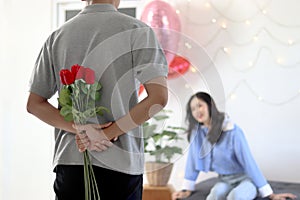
123, 52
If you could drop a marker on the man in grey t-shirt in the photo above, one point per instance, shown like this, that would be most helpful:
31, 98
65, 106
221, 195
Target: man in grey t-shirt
124, 53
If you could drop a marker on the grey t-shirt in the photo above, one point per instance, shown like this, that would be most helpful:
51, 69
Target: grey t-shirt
124, 52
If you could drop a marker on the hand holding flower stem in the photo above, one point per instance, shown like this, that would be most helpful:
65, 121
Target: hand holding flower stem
93, 137
77, 101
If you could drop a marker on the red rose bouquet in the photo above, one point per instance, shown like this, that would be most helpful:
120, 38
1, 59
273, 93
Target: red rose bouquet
77, 101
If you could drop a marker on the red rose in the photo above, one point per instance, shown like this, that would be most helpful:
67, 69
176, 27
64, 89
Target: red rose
75, 69
79, 72
66, 77
89, 76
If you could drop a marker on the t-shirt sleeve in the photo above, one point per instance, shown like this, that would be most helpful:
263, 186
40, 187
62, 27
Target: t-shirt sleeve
149, 60
43, 78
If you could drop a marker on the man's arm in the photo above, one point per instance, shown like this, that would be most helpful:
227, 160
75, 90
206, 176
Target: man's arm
155, 101
42, 109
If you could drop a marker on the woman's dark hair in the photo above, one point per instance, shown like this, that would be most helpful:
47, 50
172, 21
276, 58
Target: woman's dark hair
216, 116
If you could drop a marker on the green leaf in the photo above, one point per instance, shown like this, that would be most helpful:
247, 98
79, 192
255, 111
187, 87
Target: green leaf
84, 88
177, 128
100, 110
145, 145
159, 141
170, 134
157, 152
66, 112
69, 117
96, 86
148, 130
157, 136
97, 96
166, 111
93, 95
160, 117
65, 97
170, 151
89, 113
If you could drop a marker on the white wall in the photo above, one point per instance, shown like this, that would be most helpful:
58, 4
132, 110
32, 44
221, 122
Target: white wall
25, 143
260, 98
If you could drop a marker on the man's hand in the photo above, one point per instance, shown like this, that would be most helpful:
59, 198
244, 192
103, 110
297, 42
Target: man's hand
91, 136
82, 142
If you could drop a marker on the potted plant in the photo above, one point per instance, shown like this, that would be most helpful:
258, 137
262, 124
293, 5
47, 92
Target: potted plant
158, 144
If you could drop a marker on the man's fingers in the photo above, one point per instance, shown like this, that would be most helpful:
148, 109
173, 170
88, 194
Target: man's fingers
106, 143
82, 142
101, 146
83, 138
81, 148
98, 147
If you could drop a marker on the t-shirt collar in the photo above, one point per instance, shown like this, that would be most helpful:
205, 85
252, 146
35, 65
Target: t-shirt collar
98, 8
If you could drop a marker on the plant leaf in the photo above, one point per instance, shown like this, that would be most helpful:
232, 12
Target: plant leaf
97, 96
157, 136
176, 128
96, 86
170, 134
65, 97
69, 117
93, 94
160, 117
66, 112
89, 113
148, 130
83, 87
169, 152
100, 110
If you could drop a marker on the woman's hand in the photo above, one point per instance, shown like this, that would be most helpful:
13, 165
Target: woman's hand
282, 196
181, 194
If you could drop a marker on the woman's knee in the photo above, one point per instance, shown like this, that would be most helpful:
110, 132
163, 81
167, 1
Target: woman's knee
219, 191
245, 191
236, 195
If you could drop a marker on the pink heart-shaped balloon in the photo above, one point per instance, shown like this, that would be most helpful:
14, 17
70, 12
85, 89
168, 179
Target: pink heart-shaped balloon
165, 22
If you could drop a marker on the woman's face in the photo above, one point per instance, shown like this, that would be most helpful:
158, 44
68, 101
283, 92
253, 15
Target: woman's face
200, 111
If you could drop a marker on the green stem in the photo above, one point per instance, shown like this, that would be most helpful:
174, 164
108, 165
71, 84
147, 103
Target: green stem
90, 177
88, 95
95, 183
86, 174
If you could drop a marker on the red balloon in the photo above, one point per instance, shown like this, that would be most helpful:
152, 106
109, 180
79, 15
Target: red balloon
178, 67
141, 89
164, 20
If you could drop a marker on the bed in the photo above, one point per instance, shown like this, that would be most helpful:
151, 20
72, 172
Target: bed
203, 188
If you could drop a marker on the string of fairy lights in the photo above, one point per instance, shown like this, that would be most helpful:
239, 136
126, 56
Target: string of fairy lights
223, 23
